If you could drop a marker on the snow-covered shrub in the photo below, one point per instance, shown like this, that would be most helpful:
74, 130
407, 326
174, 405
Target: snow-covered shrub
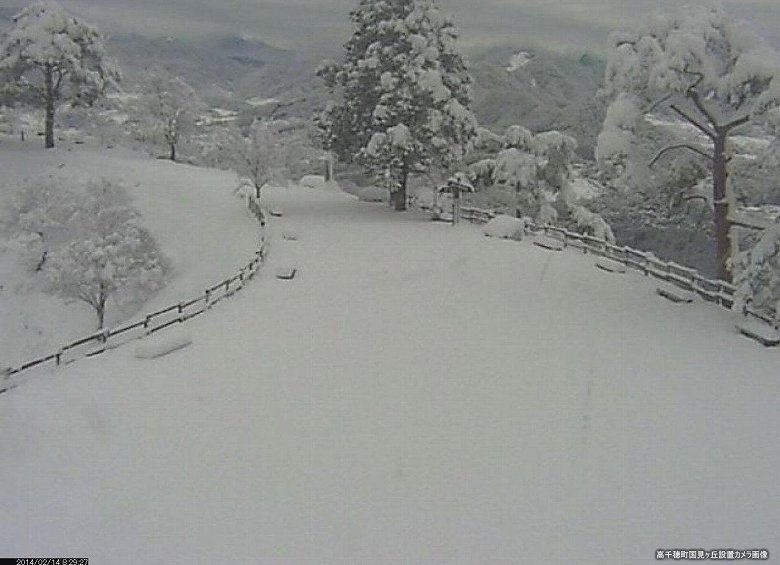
506, 227
592, 223
757, 273
312, 181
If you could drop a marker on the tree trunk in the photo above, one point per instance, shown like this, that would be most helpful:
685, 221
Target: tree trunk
42, 262
100, 309
173, 152
399, 196
49, 103
721, 203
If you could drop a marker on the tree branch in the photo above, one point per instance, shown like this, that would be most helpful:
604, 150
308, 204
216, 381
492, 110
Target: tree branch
693, 94
735, 123
704, 129
657, 103
688, 146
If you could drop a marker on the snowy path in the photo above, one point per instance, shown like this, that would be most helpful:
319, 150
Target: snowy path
417, 394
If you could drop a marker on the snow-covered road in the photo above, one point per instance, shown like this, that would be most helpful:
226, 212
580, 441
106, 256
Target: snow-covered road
417, 394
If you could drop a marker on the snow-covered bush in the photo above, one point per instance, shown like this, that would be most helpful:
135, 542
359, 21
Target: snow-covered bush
757, 273
112, 255
592, 223
312, 181
51, 56
506, 227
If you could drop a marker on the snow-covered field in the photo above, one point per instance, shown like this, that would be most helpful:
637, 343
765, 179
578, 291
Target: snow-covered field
189, 210
418, 393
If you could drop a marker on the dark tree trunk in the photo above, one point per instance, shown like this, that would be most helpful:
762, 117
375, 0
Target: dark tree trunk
49, 103
42, 262
100, 309
722, 224
173, 152
399, 196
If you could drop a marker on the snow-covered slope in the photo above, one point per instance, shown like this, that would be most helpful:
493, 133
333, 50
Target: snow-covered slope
207, 234
418, 393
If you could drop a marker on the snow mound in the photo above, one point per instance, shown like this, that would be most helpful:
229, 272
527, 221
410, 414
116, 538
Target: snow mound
505, 227
373, 194
312, 181
162, 344
518, 61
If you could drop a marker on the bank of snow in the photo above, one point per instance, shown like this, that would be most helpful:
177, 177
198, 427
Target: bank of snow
418, 393
199, 225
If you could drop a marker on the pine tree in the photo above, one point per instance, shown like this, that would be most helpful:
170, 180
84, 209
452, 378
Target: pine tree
404, 90
705, 69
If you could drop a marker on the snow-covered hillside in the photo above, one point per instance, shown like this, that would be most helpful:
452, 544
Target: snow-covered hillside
418, 393
189, 210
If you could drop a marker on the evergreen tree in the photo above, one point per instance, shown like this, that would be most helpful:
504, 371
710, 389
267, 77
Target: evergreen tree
707, 71
404, 91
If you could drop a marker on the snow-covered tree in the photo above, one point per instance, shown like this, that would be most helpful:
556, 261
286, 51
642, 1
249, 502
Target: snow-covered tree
404, 93
52, 56
112, 256
40, 212
168, 109
709, 72
757, 273
538, 169
272, 151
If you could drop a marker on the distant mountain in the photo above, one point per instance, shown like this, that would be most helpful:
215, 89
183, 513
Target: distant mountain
540, 90
226, 71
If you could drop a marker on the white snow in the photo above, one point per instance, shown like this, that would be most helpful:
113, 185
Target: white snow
257, 101
505, 227
312, 181
518, 61
163, 343
420, 394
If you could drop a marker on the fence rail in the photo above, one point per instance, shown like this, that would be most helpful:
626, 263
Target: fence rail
100, 341
716, 291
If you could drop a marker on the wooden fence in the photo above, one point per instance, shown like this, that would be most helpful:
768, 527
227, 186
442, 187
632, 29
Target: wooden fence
715, 291
103, 340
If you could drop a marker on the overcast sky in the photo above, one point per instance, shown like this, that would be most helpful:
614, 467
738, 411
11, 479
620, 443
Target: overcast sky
559, 24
